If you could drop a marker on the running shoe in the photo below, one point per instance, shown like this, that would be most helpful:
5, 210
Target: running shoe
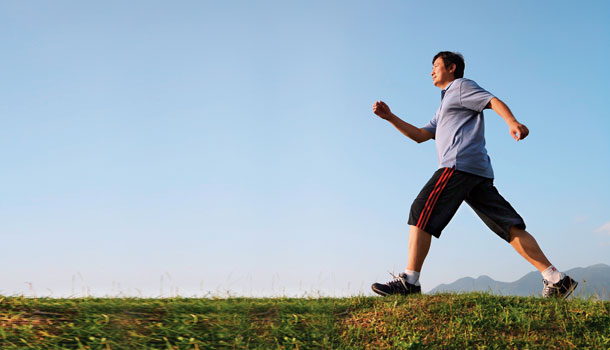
561, 289
398, 285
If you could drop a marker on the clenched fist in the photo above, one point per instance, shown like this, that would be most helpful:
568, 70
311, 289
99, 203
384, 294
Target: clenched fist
382, 110
518, 130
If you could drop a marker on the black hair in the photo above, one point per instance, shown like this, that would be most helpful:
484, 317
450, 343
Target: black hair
450, 58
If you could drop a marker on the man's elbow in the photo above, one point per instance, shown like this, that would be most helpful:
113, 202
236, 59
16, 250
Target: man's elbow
424, 135
493, 103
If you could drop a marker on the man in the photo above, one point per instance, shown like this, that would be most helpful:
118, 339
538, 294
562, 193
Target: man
464, 174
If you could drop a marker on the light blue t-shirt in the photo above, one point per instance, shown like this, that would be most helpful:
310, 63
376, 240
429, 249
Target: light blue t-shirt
459, 128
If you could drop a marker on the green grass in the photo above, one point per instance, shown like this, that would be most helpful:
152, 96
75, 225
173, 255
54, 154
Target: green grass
442, 321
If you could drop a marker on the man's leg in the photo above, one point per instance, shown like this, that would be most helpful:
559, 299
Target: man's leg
407, 282
419, 245
556, 284
430, 212
502, 218
526, 245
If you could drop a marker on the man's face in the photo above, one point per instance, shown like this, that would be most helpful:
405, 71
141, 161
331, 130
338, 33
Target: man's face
441, 76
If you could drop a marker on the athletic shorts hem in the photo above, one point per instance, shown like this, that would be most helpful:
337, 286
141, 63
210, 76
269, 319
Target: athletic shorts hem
506, 234
436, 234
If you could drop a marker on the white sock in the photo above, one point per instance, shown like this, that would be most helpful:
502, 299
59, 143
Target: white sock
412, 277
551, 274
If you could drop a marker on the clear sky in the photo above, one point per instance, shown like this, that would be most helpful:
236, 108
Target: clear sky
158, 148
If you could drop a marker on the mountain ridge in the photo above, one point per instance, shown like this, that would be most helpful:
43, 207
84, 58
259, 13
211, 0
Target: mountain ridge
594, 281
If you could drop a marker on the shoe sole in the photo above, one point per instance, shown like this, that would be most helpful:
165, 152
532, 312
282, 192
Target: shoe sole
570, 290
379, 292
384, 294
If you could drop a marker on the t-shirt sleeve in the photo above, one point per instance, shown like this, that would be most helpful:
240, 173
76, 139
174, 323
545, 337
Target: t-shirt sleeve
431, 125
474, 97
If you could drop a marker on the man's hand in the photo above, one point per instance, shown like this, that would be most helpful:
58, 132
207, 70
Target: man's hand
382, 110
518, 130
416, 134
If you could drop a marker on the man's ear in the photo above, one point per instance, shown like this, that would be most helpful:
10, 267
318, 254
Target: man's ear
452, 68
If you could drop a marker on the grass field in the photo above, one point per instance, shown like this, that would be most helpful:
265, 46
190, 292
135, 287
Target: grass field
442, 321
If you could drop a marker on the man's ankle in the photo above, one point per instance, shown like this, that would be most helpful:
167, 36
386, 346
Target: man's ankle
551, 274
412, 277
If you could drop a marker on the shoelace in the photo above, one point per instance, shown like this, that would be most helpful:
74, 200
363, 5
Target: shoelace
397, 282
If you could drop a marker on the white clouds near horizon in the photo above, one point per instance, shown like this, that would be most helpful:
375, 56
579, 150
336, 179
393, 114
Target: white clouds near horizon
605, 228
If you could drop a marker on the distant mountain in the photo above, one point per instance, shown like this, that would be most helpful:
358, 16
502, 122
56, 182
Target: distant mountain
592, 281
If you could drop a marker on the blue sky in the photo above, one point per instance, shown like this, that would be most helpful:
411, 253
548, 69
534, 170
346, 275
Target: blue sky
212, 148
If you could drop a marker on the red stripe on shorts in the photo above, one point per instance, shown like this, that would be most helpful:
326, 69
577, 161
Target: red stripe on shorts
421, 215
438, 194
431, 202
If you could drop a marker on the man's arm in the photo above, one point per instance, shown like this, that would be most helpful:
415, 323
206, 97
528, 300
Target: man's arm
516, 129
414, 133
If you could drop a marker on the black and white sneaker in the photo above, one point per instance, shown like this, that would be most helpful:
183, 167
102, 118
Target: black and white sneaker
561, 289
398, 285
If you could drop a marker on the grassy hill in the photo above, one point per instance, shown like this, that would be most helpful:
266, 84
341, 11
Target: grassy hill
443, 321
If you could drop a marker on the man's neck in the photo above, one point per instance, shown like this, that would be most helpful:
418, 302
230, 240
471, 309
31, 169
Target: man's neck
444, 85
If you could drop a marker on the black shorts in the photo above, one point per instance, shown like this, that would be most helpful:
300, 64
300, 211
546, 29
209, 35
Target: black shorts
442, 195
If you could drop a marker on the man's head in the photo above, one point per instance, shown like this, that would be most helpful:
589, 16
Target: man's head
446, 67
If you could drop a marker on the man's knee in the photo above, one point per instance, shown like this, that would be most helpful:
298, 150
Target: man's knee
516, 232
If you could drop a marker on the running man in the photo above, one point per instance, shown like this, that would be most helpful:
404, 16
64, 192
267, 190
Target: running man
464, 174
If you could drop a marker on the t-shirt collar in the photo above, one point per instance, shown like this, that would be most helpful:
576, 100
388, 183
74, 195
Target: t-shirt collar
445, 89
